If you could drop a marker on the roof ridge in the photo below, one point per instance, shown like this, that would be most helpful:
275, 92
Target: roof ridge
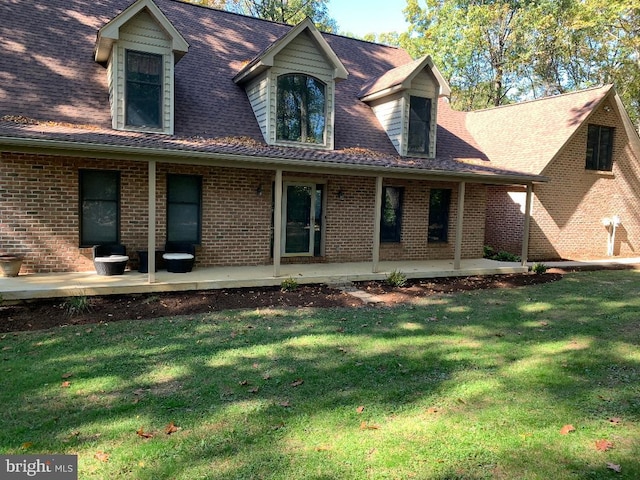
551, 97
221, 10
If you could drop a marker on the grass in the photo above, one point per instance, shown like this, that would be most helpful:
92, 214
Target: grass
475, 385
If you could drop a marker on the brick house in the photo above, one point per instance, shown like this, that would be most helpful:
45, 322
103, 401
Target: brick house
154, 120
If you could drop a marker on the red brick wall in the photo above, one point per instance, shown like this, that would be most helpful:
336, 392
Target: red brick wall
567, 212
505, 219
39, 214
414, 245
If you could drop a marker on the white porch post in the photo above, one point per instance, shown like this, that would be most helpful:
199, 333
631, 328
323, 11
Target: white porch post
151, 232
527, 225
277, 224
376, 225
457, 257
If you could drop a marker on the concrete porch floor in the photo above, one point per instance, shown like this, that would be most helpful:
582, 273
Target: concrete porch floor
52, 285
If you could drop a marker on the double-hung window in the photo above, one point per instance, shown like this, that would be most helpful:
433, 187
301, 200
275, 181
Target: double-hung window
184, 205
599, 148
301, 109
143, 89
439, 203
99, 207
391, 220
419, 124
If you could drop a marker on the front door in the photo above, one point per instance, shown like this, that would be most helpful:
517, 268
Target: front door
302, 215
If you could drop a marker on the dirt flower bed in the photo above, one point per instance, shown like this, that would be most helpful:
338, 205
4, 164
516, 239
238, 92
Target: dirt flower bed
42, 314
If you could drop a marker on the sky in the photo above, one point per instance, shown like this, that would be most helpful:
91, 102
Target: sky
368, 16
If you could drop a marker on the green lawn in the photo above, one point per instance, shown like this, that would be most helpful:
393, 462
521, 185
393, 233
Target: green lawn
467, 386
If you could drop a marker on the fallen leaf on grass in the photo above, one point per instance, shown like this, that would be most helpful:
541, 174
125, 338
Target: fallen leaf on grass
360, 409
297, 383
285, 404
66, 384
323, 448
244, 383
171, 428
67, 375
26, 445
141, 433
366, 426
566, 429
254, 390
433, 410
614, 467
100, 455
603, 445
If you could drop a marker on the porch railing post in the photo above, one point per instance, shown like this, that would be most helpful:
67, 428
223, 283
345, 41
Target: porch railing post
277, 224
459, 226
376, 225
151, 231
527, 225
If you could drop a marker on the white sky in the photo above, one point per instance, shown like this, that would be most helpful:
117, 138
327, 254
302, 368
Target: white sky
368, 16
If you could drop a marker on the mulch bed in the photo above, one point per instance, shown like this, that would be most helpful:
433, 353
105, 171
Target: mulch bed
43, 314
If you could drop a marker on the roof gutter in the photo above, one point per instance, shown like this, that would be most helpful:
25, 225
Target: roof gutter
125, 152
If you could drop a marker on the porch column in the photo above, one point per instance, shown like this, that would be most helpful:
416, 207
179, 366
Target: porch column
151, 231
459, 226
527, 225
277, 224
376, 225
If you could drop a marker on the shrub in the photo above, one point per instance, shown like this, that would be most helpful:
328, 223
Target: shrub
539, 268
77, 305
289, 285
397, 279
501, 256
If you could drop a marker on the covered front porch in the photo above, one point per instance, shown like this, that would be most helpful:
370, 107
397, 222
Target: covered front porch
52, 285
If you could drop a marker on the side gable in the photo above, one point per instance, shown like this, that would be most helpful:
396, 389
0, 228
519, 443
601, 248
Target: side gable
527, 136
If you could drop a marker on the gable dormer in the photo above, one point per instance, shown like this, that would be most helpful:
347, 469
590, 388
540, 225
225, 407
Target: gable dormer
405, 101
291, 88
140, 47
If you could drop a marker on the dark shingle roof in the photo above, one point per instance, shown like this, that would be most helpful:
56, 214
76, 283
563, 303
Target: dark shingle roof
47, 72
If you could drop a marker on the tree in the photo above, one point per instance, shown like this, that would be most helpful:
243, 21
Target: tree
284, 11
498, 51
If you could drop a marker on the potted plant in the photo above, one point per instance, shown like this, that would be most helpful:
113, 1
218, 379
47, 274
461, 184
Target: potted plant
10, 264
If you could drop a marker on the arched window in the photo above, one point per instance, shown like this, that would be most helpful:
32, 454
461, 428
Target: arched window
301, 112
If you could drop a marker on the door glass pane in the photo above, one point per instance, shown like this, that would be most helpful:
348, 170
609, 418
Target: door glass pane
298, 219
317, 237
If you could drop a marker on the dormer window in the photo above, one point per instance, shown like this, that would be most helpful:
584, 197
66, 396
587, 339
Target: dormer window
139, 48
301, 109
405, 101
419, 125
291, 87
143, 95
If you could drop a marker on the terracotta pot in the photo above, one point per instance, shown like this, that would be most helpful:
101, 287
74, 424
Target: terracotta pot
10, 265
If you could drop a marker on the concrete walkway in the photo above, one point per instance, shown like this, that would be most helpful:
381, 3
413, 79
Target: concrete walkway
55, 285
